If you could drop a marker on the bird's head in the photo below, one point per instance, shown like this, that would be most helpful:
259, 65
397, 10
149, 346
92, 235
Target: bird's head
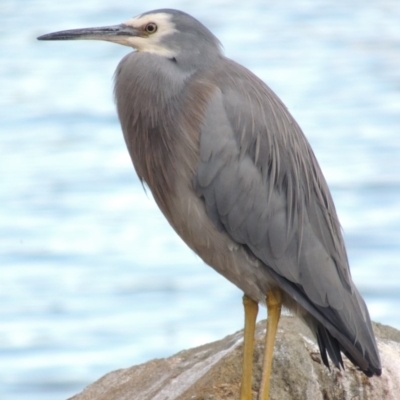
167, 33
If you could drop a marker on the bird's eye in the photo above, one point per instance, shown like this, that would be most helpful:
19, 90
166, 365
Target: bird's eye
151, 27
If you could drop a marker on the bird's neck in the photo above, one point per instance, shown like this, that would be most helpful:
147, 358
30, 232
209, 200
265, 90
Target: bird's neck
161, 116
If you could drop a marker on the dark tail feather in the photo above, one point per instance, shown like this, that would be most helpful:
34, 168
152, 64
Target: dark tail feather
333, 335
327, 343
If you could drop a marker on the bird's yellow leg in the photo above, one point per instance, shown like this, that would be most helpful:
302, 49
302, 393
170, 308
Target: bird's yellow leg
250, 316
274, 305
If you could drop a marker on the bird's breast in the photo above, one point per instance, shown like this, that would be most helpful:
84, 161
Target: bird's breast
163, 138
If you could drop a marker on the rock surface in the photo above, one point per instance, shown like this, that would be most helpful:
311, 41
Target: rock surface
213, 371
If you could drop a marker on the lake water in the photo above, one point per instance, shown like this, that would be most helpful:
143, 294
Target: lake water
92, 278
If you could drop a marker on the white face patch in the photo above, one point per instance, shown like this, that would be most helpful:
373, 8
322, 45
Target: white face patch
151, 43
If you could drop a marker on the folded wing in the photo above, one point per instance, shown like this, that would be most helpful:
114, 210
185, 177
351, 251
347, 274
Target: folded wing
262, 184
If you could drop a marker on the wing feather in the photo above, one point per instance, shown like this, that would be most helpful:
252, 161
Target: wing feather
262, 184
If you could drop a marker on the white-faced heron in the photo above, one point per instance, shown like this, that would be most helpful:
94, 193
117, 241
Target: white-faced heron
236, 178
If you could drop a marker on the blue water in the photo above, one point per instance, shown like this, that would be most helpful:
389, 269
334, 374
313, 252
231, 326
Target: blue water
91, 276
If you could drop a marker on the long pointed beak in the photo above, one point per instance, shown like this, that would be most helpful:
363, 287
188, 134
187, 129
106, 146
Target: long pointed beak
109, 33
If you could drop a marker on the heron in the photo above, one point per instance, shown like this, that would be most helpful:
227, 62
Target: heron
236, 178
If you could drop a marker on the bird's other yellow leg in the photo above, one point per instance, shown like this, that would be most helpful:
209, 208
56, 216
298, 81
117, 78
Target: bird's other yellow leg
274, 305
250, 316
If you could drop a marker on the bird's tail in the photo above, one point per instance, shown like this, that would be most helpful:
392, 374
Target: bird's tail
329, 345
348, 330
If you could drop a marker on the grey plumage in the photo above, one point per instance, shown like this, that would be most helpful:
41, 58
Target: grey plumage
236, 178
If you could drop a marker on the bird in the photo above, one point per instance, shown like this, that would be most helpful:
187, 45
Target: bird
236, 178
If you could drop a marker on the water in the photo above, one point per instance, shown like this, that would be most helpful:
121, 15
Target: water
91, 276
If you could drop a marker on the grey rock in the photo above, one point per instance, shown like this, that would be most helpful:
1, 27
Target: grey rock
213, 371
